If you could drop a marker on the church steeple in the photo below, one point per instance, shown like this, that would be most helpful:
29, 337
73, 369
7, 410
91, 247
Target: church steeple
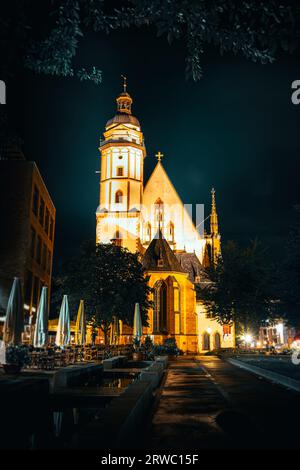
124, 100
214, 226
214, 237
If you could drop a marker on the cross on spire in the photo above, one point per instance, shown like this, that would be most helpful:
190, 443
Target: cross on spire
159, 156
124, 83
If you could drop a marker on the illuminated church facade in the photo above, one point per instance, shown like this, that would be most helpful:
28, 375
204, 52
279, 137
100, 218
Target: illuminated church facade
152, 220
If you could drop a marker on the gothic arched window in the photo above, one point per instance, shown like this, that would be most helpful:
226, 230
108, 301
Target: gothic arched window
160, 307
206, 342
148, 233
119, 197
171, 232
217, 341
117, 239
177, 315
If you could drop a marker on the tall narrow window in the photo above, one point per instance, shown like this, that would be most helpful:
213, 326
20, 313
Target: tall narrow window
148, 232
206, 342
119, 197
49, 262
32, 242
35, 200
117, 240
44, 257
42, 212
28, 288
39, 250
120, 171
47, 219
51, 229
159, 214
160, 307
171, 232
176, 292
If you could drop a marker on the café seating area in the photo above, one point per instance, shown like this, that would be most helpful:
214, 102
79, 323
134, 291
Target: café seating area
51, 358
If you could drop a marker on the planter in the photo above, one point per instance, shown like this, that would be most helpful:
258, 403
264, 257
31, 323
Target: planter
12, 369
137, 356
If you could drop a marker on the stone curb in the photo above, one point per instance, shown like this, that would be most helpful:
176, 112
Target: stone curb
267, 374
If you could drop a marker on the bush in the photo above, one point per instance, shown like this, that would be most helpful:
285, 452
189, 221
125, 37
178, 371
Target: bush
168, 348
17, 354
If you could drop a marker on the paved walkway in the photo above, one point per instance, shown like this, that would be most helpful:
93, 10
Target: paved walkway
208, 403
186, 412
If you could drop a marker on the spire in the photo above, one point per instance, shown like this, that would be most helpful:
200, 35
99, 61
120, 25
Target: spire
124, 83
214, 229
124, 100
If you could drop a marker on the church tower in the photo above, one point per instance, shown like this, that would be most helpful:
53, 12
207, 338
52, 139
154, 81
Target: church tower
214, 239
121, 183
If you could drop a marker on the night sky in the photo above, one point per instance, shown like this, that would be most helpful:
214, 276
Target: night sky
236, 129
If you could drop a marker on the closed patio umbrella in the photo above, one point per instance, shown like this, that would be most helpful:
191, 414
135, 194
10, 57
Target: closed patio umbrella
81, 325
40, 337
137, 323
63, 334
14, 319
112, 331
117, 330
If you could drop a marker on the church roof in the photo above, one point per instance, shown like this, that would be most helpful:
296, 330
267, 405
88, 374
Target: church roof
160, 257
190, 263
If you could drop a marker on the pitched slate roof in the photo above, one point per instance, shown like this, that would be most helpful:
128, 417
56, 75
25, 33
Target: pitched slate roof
160, 257
191, 265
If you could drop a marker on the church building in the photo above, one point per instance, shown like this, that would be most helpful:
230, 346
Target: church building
150, 218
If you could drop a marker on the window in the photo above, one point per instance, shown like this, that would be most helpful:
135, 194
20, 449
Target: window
206, 342
39, 250
49, 262
36, 291
42, 212
176, 291
217, 341
35, 201
160, 307
44, 258
32, 242
120, 171
148, 232
117, 240
119, 197
226, 329
51, 229
28, 287
47, 220
171, 232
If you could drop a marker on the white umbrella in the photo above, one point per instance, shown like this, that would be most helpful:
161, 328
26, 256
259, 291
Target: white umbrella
14, 319
63, 334
81, 325
40, 337
137, 323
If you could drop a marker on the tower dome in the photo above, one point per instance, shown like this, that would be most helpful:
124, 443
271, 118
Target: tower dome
123, 116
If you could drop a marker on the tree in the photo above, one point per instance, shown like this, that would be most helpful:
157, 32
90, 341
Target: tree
45, 37
110, 279
241, 286
288, 285
254, 29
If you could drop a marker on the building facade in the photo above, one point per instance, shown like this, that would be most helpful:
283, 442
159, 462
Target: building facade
152, 220
27, 230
